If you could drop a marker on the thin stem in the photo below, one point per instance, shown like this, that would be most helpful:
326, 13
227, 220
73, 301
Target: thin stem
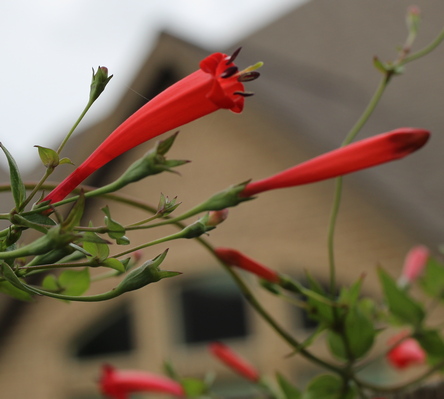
74, 127
426, 50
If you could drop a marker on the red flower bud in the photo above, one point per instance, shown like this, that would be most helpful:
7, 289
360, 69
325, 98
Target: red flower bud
362, 154
406, 353
238, 259
414, 264
118, 384
217, 217
234, 361
201, 93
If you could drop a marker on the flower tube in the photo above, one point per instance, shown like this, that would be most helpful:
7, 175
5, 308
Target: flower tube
217, 84
235, 258
119, 384
234, 361
362, 154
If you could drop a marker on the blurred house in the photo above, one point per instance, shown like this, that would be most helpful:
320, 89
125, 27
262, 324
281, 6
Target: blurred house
317, 79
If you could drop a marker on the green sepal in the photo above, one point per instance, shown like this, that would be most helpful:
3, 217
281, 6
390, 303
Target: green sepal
49, 157
148, 273
197, 228
166, 206
400, 304
17, 186
287, 388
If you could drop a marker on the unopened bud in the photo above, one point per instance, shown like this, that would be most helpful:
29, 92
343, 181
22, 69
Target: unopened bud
98, 83
216, 217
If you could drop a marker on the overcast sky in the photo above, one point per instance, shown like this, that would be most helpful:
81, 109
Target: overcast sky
48, 48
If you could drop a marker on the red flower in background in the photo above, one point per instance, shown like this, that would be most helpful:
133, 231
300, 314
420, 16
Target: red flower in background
408, 352
234, 361
362, 154
414, 264
118, 384
238, 259
217, 84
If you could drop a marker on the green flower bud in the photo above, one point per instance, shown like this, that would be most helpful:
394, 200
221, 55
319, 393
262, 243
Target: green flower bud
148, 273
98, 83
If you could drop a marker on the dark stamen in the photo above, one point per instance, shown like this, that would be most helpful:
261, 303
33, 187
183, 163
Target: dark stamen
233, 56
244, 93
248, 76
230, 71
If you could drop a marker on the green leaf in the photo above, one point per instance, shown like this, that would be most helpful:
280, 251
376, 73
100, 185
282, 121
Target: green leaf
122, 241
50, 283
327, 386
17, 186
359, 332
49, 157
319, 310
288, 389
8, 289
432, 280
193, 387
400, 304
433, 343
75, 213
116, 229
9, 275
94, 245
75, 282
114, 263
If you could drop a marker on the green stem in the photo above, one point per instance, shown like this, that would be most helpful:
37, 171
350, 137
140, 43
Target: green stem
426, 50
74, 127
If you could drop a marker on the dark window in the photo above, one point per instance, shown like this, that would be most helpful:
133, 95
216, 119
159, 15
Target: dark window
111, 334
212, 309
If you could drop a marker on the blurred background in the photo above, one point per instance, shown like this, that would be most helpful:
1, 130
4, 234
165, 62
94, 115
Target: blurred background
317, 79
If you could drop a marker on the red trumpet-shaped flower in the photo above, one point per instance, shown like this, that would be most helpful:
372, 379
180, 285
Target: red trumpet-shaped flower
362, 154
234, 361
217, 84
118, 384
238, 259
407, 353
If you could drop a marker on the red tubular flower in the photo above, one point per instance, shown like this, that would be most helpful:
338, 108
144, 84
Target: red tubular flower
234, 361
238, 259
118, 384
363, 154
408, 352
414, 264
217, 84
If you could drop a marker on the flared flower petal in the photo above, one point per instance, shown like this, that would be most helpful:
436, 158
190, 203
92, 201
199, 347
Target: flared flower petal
360, 155
235, 258
217, 84
231, 359
119, 384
